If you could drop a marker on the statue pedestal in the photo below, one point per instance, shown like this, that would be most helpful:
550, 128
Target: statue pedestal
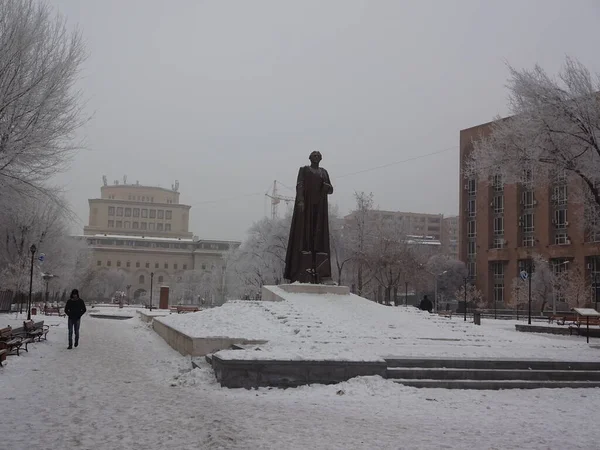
275, 293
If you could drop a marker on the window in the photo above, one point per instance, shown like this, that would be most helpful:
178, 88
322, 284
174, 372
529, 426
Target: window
128, 264
498, 226
147, 265
98, 263
141, 279
497, 183
136, 225
168, 215
203, 266
166, 265
111, 210
527, 199
108, 263
498, 204
156, 265
161, 214
498, 270
498, 242
127, 225
471, 229
175, 266
471, 248
159, 227
120, 211
144, 213
498, 292
527, 222
137, 264
185, 267
471, 208
153, 214
118, 263
136, 212
471, 270
560, 219
160, 279
559, 195
528, 241
119, 224
111, 224
151, 226
472, 187
127, 212
143, 226
524, 265
561, 239
167, 227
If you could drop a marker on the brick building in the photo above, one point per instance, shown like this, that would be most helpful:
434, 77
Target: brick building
501, 226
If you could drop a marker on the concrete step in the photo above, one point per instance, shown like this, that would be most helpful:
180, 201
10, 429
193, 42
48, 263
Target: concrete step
497, 384
417, 373
480, 363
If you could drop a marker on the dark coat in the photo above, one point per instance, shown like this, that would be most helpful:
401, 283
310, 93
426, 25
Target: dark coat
310, 226
75, 308
426, 305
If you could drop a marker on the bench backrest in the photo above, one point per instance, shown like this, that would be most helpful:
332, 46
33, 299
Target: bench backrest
5, 332
29, 325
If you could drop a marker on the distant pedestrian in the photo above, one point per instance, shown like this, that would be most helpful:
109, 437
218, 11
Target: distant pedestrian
447, 306
74, 309
426, 304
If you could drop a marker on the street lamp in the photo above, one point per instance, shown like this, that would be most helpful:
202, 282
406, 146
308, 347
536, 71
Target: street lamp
46, 277
128, 298
32, 249
465, 299
406, 293
151, 289
529, 275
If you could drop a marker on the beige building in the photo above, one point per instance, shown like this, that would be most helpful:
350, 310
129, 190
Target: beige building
144, 232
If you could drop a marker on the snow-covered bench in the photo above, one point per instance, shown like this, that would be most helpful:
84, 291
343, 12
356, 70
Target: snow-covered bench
35, 332
11, 342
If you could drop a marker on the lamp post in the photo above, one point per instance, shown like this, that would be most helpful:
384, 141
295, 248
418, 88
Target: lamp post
32, 249
406, 293
46, 277
596, 289
128, 298
151, 288
465, 299
529, 293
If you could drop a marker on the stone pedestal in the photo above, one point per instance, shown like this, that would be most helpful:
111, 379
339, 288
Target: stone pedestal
164, 298
277, 293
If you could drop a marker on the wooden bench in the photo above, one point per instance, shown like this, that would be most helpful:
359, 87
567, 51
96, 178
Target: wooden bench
445, 314
50, 311
186, 308
561, 319
34, 332
13, 342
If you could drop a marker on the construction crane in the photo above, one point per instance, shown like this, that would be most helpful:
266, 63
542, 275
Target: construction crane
273, 194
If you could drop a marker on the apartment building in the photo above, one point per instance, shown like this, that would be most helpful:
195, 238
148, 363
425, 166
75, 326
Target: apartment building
501, 227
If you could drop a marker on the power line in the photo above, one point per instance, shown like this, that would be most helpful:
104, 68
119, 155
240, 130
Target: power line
383, 166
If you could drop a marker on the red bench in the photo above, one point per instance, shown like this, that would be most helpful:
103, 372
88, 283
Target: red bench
35, 332
10, 342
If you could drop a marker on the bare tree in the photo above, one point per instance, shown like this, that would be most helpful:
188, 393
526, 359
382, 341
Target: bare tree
574, 288
39, 107
360, 230
341, 253
555, 129
474, 295
519, 294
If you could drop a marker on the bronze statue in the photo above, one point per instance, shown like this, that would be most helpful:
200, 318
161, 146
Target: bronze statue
307, 259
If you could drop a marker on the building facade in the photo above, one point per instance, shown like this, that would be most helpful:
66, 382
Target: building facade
501, 227
144, 232
413, 224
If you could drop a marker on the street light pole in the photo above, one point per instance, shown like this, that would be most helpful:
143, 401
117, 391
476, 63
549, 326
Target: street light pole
151, 288
406, 293
529, 295
465, 299
32, 249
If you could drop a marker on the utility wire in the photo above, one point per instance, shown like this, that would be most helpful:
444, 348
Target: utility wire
383, 166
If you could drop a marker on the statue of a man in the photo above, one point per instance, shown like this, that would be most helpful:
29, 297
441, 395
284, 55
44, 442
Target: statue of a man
307, 259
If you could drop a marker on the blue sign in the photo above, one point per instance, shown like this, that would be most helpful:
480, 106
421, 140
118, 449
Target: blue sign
42, 257
524, 275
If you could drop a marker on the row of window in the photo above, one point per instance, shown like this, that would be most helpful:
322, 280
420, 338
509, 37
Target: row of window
119, 211
139, 225
138, 265
141, 198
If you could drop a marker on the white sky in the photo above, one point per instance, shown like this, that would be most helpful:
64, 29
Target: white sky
228, 96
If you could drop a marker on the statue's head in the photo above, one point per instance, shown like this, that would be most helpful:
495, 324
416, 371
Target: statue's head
315, 157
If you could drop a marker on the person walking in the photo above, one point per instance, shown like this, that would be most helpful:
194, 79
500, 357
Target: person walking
74, 309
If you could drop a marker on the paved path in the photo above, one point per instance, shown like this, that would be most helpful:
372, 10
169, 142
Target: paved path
124, 388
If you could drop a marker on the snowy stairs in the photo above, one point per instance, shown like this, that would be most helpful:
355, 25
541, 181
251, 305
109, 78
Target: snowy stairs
492, 373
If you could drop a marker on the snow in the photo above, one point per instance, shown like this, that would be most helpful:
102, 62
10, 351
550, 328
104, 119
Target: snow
348, 327
124, 388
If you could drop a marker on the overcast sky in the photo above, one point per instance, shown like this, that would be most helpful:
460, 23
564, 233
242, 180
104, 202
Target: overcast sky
227, 96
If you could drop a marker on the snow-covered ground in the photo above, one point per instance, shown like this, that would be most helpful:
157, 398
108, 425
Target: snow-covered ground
352, 328
124, 388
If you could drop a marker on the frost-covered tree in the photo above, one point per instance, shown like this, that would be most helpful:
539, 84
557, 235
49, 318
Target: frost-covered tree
450, 274
40, 108
519, 294
360, 230
554, 129
341, 252
574, 288
474, 295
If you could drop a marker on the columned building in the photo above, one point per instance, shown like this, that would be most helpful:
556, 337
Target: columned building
144, 230
501, 227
